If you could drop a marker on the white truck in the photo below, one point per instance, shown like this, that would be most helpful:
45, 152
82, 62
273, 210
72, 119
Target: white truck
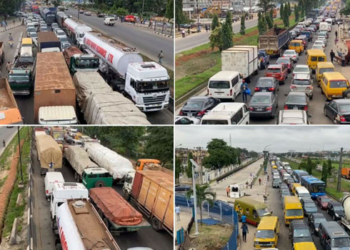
76, 31
101, 105
115, 164
146, 83
345, 220
80, 227
243, 59
50, 179
324, 26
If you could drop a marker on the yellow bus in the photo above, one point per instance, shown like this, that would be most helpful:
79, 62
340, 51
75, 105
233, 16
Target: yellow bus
292, 209
267, 232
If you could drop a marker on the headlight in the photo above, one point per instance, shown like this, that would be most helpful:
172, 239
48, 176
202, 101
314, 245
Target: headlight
316, 229
256, 242
336, 214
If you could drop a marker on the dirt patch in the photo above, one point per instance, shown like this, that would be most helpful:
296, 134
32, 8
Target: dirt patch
213, 237
8, 186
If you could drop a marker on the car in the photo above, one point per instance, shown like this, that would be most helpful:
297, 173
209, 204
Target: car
276, 183
267, 84
265, 59
299, 232
30, 30
287, 61
278, 71
263, 104
59, 32
296, 101
64, 42
182, 200
318, 46
182, 188
43, 29
54, 25
338, 111
314, 221
339, 21
309, 206
184, 120
293, 117
335, 210
289, 180
302, 84
324, 33
320, 42
323, 39
284, 192
322, 201
292, 54
304, 39
34, 37
81, 11
293, 34
198, 106
301, 69
87, 13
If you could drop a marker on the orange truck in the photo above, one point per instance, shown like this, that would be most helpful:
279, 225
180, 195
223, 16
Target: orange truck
145, 163
152, 191
9, 112
345, 173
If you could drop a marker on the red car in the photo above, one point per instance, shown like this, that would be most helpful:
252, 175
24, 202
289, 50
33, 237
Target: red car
322, 201
286, 61
277, 71
129, 18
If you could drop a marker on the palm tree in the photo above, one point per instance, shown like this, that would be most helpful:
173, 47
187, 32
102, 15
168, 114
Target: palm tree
266, 5
202, 195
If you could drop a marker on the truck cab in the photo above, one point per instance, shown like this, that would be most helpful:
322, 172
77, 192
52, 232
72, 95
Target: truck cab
96, 177
128, 182
80, 33
147, 85
145, 163
84, 63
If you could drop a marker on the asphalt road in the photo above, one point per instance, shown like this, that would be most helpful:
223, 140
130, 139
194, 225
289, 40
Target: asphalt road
44, 238
7, 135
182, 44
144, 40
315, 106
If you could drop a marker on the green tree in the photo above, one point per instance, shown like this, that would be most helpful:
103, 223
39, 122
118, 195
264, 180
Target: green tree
178, 168
189, 165
264, 23
296, 13
228, 21
302, 165
215, 22
266, 5
220, 154
269, 21
242, 31
289, 9
179, 17
346, 10
329, 167
202, 195
261, 24
159, 144
216, 38
282, 11
122, 12
324, 172
169, 13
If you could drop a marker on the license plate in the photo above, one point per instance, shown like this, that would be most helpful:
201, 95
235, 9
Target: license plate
295, 108
258, 109
263, 90
189, 114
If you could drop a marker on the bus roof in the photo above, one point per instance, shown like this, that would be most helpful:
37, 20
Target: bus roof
267, 222
251, 202
315, 52
334, 76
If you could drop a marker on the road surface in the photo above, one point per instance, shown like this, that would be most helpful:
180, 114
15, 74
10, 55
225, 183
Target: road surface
6, 134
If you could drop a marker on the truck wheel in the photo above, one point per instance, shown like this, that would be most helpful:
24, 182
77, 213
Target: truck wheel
126, 195
100, 184
105, 220
58, 246
155, 224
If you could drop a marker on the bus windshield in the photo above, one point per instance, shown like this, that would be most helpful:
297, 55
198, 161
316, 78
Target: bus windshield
318, 188
87, 63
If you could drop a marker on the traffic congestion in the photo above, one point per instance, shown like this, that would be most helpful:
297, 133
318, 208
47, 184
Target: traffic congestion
297, 76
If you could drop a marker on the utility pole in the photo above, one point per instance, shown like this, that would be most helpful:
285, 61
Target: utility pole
199, 160
194, 196
339, 171
20, 155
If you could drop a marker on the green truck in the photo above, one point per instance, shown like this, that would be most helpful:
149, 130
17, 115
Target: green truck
78, 61
86, 171
21, 75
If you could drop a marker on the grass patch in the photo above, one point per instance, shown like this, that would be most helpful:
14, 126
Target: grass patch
14, 211
211, 236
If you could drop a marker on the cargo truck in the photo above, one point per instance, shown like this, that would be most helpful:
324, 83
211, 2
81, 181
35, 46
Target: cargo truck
274, 41
99, 104
345, 220
53, 83
48, 14
76, 31
243, 59
145, 83
61, 16
85, 170
78, 61
48, 42
152, 192
49, 153
117, 214
115, 164
9, 112
21, 77
345, 173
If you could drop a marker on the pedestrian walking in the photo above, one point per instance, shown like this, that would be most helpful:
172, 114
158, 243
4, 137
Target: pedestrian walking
244, 228
183, 33
177, 212
8, 67
259, 181
246, 184
268, 177
4, 143
251, 185
14, 21
343, 60
244, 90
336, 34
332, 54
160, 57
228, 191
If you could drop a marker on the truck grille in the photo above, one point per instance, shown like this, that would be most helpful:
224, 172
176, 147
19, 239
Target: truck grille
154, 100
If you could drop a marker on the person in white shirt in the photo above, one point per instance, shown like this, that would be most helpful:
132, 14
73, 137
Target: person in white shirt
177, 212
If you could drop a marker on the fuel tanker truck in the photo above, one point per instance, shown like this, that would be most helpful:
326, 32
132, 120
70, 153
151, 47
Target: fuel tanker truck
145, 83
343, 45
76, 31
115, 164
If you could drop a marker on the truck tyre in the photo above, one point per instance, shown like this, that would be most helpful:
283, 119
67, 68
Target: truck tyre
105, 220
58, 246
155, 224
100, 184
126, 195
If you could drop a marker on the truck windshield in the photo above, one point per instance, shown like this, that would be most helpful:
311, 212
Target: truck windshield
318, 188
87, 63
18, 78
151, 86
215, 122
26, 59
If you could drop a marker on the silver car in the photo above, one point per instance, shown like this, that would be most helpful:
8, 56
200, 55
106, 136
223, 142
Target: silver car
292, 54
302, 84
293, 117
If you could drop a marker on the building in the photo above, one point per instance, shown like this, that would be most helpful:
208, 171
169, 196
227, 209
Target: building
192, 5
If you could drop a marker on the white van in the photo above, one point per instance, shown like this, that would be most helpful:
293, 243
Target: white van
50, 179
302, 192
225, 85
329, 21
324, 26
227, 114
235, 191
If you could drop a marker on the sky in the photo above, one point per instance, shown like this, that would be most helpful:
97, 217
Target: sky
281, 138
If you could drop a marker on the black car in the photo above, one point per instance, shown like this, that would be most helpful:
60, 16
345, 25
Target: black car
198, 106
314, 221
338, 111
263, 104
182, 187
296, 100
309, 206
267, 84
335, 210
299, 232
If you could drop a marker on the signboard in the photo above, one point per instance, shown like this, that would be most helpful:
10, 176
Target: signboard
187, 9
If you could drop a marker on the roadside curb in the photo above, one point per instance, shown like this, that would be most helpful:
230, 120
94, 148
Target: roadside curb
146, 27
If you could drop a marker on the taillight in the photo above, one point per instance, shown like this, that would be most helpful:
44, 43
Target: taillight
305, 108
202, 112
230, 92
257, 89
293, 87
47, 191
269, 108
310, 87
181, 113
285, 107
293, 75
271, 89
342, 119
251, 109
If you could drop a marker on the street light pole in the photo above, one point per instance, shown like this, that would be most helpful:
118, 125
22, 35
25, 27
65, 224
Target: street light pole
194, 196
20, 156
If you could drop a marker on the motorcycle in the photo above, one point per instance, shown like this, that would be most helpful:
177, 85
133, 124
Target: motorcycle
11, 44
